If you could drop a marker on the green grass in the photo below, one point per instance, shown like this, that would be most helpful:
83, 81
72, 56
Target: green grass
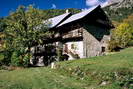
112, 62
115, 69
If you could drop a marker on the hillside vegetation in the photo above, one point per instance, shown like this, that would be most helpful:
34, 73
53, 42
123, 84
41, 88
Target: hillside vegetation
113, 71
120, 11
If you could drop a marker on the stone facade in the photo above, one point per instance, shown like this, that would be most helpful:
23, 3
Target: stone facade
92, 46
95, 45
94, 42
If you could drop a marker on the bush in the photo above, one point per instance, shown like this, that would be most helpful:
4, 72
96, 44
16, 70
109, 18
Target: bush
20, 58
5, 58
1, 58
113, 46
26, 60
15, 61
130, 43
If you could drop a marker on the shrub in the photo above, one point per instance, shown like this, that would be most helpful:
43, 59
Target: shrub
26, 59
1, 58
15, 61
20, 58
112, 45
130, 43
5, 57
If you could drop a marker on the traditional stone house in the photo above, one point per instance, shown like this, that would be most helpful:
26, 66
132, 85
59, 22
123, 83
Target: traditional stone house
82, 35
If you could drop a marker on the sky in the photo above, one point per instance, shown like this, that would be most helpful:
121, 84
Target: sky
6, 6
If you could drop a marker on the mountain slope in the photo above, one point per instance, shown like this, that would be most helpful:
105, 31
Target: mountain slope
120, 11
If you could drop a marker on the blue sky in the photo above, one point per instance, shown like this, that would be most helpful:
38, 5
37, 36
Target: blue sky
10, 5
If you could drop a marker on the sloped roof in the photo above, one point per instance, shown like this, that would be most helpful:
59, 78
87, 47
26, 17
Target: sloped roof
77, 16
56, 20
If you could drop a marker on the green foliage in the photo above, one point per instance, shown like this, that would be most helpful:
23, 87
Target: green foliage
20, 58
26, 60
6, 59
129, 20
113, 45
55, 12
122, 36
1, 58
2, 24
24, 29
15, 61
73, 10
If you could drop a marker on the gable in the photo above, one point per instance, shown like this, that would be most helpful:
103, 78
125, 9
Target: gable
96, 31
78, 16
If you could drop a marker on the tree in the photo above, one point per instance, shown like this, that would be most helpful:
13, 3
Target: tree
122, 36
129, 20
55, 12
24, 30
2, 24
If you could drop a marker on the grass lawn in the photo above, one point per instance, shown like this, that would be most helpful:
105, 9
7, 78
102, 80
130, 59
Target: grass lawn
113, 71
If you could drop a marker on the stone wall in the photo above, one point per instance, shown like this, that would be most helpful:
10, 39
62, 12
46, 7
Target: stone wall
94, 44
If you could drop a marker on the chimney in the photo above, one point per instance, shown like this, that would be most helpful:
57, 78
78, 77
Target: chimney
67, 11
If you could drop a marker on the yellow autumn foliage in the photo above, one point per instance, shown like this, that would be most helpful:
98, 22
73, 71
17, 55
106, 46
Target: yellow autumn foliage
123, 35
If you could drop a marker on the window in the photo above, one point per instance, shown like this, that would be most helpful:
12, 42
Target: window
72, 46
103, 49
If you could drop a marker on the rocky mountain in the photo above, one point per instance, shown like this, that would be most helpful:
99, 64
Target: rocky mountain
121, 4
119, 9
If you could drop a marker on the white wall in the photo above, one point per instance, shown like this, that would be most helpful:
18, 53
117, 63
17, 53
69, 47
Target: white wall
78, 48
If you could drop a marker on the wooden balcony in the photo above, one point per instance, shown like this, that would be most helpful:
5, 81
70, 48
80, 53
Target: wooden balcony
73, 34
